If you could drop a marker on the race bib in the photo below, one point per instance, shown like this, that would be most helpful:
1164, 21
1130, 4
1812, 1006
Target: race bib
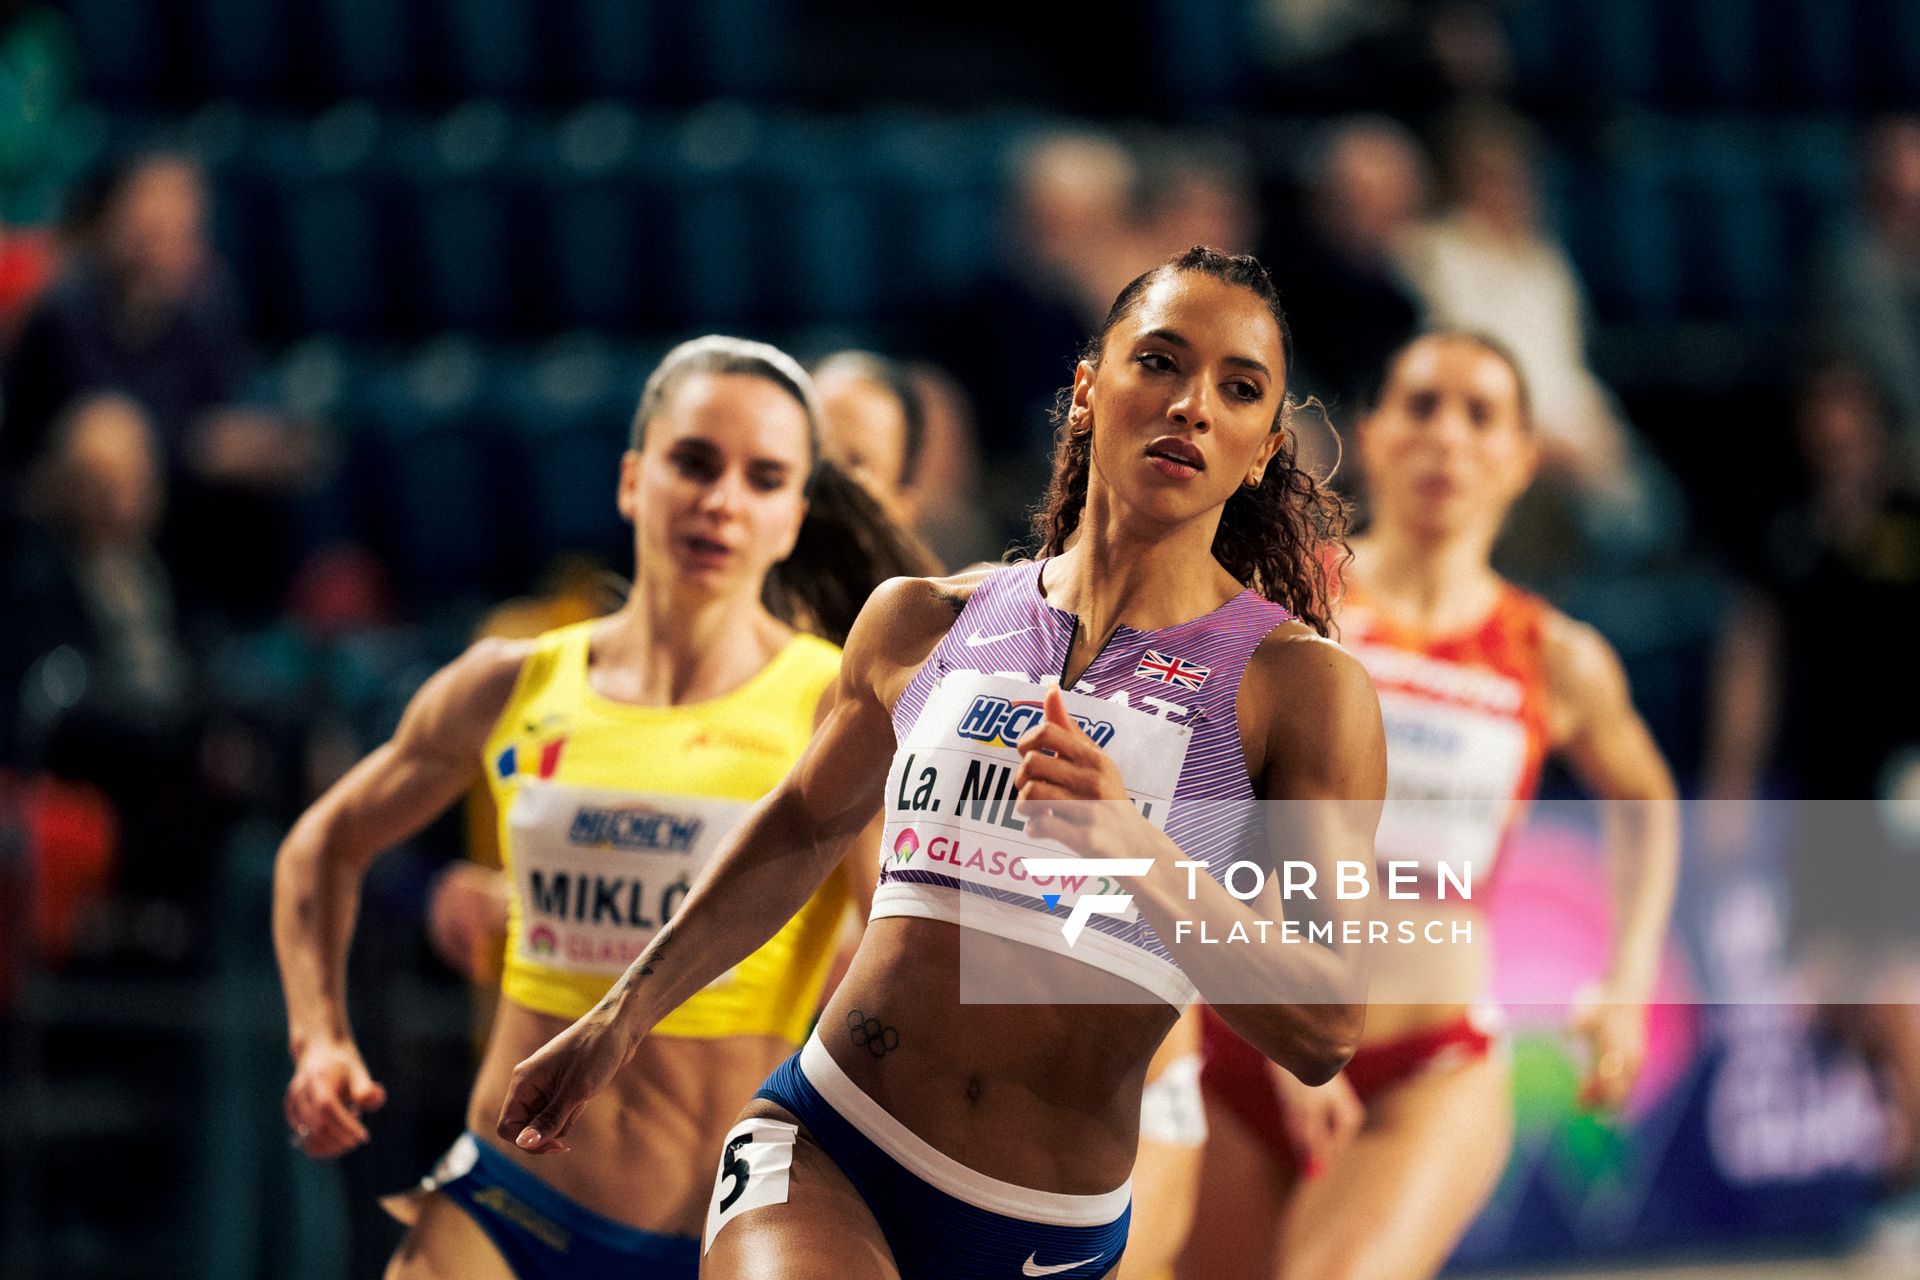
599, 871
1452, 776
950, 794
756, 1167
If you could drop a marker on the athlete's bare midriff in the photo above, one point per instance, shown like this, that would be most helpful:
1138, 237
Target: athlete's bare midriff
1415, 986
644, 1152
1040, 1095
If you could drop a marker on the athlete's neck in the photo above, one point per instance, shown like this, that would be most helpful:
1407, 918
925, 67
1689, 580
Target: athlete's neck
1110, 575
1435, 586
664, 648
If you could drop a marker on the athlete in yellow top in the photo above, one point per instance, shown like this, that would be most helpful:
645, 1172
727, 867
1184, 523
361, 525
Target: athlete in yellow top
620, 752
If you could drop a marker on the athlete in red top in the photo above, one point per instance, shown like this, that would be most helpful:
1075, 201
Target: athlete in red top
1379, 1173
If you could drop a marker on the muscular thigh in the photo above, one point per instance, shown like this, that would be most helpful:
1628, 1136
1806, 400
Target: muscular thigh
1393, 1202
819, 1230
1242, 1190
445, 1244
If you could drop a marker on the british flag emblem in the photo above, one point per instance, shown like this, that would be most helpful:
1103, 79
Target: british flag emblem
1165, 667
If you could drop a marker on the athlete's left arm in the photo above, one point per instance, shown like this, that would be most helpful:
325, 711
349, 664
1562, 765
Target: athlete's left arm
1600, 735
1315, 738
860, 869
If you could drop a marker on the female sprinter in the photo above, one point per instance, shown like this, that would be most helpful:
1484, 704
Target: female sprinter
1379, 1173
876, 430
620, 751
924, 1136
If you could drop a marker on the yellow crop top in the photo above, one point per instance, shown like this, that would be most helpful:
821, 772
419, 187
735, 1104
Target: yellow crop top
609, 810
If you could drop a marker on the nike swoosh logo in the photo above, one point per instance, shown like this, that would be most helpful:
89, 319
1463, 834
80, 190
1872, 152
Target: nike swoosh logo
1031, 1268
974, 641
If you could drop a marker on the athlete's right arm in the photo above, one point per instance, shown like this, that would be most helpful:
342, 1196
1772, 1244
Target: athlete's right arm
768, 867
406, 782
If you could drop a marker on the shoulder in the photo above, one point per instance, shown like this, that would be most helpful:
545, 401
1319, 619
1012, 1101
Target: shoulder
1297, 668
909, 610
477, 685
1310, 708
899, 627
1585, 678
1579, 662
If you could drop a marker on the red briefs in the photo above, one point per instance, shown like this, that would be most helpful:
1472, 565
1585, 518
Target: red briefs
1235, 1074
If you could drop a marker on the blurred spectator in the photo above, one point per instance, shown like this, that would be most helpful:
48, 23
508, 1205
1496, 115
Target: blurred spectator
1411, 59
1339, 273
39, 71
948, 513
147, 310
903, 430
1817, 697
1012, 340
1195, 190
1867, 283
876, 423
97, 503
1487, 264
97, 678
27, 262
1818, 693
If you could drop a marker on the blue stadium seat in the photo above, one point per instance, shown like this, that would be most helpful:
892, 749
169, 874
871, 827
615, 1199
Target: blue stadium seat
220, 136
569, 409
734, 47
334, 210
490, 48
1645, 268
1805, 53
1533, 39
709, 185
433, 463
243, 47
120, 45
936, 201
817, 224
600, 237
614, 47
1610, 48
1705, 51
1888, 52
459, 198
1739, 258
368, 47
1816, 176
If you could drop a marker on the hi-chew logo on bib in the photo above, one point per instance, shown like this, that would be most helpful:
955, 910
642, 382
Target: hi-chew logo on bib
953, 808
1001, 722
597, 872
634, 826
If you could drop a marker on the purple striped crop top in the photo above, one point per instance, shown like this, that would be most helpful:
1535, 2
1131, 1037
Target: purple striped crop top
1161, 703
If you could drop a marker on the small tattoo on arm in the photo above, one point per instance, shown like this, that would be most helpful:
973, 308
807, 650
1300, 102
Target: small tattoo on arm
873, 1035
655, 954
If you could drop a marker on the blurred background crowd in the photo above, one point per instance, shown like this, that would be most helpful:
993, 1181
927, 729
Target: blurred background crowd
321, 322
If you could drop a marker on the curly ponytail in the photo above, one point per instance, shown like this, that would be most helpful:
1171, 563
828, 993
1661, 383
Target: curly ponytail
848, 543
1285, 538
